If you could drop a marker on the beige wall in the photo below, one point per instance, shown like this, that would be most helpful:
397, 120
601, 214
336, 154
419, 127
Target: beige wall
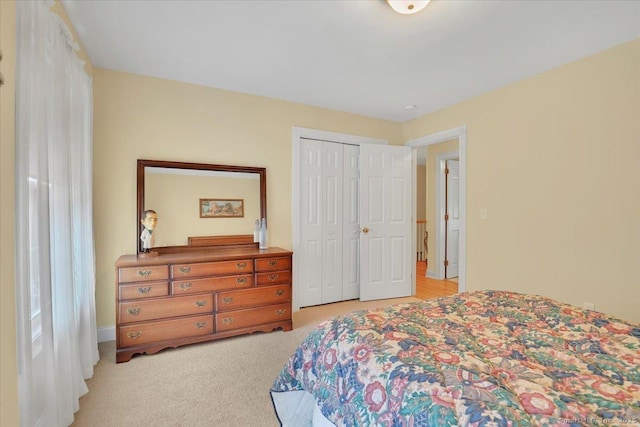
148, 118
421, 192
555, 159
9, 414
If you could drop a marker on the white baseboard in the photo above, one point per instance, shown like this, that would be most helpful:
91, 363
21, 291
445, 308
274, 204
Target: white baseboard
107, 333
430, 275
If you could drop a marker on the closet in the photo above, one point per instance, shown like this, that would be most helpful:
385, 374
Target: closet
329, 222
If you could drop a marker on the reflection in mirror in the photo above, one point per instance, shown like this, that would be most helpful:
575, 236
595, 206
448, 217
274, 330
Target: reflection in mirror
176, 195
185, 195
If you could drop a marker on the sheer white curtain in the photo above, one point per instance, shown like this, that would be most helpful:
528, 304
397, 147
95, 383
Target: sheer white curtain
55, 271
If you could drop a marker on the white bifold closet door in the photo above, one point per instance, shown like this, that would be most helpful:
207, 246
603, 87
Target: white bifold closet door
329, 229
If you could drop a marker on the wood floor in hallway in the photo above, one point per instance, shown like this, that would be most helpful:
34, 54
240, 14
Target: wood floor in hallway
431, 288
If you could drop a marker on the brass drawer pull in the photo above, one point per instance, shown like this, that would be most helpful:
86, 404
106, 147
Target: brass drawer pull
273, 262
201, 303
227, 300
241, 280
134, 335
144, 273
273, 277
185, 286
241, 265
227, 320
184, 269
133, 311
280, 312
201, 325
280, 292
144, 290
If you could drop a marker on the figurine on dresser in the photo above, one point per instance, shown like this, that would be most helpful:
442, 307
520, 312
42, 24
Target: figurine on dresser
149, 222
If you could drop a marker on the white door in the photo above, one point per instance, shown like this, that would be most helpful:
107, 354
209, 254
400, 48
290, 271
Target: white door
351, 224
386, 221
453, 222
310, 259
328, 219
331, 219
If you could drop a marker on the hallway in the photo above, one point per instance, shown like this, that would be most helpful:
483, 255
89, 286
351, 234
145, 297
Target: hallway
431, 288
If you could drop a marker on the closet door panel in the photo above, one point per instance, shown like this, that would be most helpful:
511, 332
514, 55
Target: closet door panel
385, 201
332, 205
311, 161
351, 224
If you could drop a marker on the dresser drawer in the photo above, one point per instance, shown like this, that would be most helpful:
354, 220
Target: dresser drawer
137, 311
143, 274
144, 333
254, 316
271, 264
253, 297
143, 290
273, 278
181, 271
212, 284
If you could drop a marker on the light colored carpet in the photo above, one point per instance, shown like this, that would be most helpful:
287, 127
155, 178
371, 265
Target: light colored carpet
219, 383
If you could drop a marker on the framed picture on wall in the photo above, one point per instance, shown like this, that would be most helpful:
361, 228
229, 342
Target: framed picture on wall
221, 208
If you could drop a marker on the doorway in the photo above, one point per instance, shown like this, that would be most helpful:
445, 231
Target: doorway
437, 250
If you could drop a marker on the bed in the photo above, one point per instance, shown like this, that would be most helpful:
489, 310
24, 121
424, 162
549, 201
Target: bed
489, 358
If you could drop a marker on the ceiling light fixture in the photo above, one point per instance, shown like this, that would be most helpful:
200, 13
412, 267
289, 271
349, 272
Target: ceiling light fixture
407, 7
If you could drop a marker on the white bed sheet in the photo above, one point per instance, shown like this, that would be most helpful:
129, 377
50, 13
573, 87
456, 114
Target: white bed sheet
298, 409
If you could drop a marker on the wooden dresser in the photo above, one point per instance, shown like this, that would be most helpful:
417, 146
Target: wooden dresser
182, 298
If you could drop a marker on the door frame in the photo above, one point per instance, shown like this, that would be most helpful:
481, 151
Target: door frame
321, 135
459, 133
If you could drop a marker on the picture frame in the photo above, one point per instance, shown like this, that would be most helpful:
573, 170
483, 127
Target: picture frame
221, 208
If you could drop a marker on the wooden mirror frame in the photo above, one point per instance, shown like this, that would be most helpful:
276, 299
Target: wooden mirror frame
142, 164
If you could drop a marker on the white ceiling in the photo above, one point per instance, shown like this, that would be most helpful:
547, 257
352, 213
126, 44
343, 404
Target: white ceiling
357, 56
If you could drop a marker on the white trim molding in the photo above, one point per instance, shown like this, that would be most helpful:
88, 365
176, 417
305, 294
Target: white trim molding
459, 133
106, 333
324, 135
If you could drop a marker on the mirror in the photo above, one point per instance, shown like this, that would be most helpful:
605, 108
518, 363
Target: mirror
198, 200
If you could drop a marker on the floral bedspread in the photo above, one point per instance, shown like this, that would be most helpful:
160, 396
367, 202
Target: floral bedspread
489, 358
